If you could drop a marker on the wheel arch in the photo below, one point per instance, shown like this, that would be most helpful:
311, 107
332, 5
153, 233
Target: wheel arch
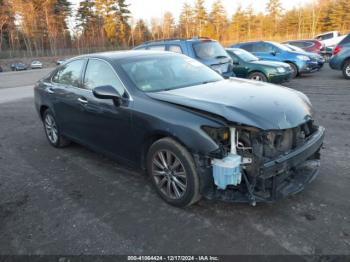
150, 140
42, 110
291, 62
257, 71
344, 62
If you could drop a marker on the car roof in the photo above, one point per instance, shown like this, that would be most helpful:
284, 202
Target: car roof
301, 40
233, 48
255, 42
174, 40
119, 55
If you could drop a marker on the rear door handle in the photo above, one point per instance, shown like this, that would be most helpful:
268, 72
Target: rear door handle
83, 100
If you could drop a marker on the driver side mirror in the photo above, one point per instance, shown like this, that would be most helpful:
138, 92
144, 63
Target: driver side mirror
235, 62
273, 53
107, 92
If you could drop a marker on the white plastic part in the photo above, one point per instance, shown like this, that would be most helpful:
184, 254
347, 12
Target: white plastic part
233, 140
227, 171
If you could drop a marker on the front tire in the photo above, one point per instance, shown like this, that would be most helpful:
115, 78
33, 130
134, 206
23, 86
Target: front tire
257, 76
173, 173
52, 130
294, 69
346, 70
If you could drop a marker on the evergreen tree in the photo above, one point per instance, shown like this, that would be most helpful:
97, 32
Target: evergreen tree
274, 9
123, 27
7, 18
141, 32
168, 25
218, 20
186, 21
200, 17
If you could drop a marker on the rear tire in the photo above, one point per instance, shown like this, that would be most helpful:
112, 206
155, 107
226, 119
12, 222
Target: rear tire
52, 130
257, 76
173, 173
295, 72
346, 70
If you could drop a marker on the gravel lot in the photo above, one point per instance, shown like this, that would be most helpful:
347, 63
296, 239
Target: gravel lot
74, 201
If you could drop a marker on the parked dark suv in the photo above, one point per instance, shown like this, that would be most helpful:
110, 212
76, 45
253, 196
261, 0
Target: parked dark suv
205, 50
341, 57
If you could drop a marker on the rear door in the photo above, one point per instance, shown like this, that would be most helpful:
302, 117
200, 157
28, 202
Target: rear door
65, 90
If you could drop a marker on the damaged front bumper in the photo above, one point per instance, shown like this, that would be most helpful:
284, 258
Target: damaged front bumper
283, 176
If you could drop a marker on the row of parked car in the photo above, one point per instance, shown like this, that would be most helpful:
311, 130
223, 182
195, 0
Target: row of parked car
35, 64
259, 60
20, 66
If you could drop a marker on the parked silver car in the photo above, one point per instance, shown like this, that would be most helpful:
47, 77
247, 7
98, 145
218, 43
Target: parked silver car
36, 65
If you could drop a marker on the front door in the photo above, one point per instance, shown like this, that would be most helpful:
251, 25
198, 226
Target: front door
239, 67
106, 125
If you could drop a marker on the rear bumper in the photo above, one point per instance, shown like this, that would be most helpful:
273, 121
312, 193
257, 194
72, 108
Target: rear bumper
286, 175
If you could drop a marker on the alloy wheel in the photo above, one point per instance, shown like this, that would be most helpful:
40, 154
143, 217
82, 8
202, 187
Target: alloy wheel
169, 174
256, 78
51, 129
347, 70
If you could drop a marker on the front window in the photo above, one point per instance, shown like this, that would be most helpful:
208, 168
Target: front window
161, 73
209, 50
281, 47
99, 73
245, 56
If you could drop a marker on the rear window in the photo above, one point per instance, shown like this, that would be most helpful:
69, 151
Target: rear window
325, 36
209, 50
346, 40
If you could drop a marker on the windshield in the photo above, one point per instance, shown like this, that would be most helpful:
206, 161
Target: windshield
166, 72
295, 48
245, 55
280, 46
209, 50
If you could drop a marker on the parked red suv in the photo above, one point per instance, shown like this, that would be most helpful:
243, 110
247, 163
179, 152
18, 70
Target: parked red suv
311, 45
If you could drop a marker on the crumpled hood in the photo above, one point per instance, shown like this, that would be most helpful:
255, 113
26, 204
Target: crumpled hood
246, 102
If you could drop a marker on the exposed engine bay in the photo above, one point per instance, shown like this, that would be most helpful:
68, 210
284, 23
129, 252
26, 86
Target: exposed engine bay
274, 163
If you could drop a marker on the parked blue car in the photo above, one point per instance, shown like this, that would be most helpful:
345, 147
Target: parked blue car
205, 50
313, 56
273, 51
341, 57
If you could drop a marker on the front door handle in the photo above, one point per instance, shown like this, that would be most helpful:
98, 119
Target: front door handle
50, 90
83, 100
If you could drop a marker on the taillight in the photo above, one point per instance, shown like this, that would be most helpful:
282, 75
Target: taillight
337, 49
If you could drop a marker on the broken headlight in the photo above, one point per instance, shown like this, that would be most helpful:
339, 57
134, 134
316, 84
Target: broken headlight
221, 136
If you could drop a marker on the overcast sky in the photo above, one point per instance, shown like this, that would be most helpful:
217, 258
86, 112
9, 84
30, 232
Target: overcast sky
156, 8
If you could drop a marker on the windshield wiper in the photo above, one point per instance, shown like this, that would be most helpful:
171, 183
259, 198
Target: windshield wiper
221, 56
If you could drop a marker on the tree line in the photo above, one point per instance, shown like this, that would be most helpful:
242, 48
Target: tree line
52, 25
